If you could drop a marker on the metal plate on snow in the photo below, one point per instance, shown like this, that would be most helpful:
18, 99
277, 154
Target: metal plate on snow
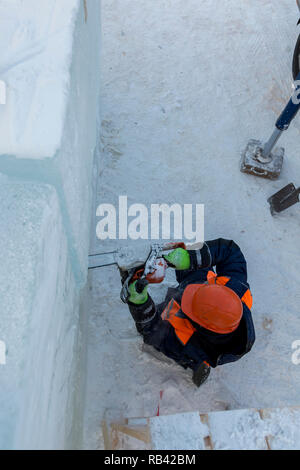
250, 164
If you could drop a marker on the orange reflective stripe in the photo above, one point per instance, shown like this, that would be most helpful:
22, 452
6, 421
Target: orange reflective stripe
248, 299
171, 309
222, 280
211, 277
182, 326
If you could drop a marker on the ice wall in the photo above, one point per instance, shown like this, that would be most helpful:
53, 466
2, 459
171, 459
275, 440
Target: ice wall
47, 144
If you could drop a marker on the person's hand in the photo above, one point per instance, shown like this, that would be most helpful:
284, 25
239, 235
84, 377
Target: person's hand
138, 292
178, 259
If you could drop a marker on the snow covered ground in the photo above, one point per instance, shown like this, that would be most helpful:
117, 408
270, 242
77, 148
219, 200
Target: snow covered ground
244, 429
185, 85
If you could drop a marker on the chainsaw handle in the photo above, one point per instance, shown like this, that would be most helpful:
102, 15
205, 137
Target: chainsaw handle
140, 285
174, 245
157, 276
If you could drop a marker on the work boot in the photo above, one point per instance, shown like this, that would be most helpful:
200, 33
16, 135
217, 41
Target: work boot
201, 374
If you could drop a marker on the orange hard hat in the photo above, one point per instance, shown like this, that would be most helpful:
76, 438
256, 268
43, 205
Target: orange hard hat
214, 307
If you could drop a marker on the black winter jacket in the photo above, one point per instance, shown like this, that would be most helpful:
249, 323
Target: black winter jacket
203, 345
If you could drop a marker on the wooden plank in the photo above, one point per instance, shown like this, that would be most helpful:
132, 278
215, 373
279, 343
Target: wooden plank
105, 433
141, 434
208, 443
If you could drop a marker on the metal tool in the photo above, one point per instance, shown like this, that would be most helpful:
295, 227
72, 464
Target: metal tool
286, 197
262, 159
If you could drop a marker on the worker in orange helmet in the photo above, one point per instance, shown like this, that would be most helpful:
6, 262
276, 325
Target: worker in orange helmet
206, 321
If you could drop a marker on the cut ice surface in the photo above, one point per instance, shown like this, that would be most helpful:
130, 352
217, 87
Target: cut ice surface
178, 432
36, 45
2, 92
47, 131
283, 428
49, 62
237, 430
37, 318
75, 158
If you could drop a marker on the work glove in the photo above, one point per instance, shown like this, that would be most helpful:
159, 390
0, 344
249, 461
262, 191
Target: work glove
138, 292
178, 259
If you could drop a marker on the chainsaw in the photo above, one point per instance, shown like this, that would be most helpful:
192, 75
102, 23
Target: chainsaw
147, 266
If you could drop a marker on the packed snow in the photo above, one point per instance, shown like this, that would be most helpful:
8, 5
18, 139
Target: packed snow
273, 429
184, 86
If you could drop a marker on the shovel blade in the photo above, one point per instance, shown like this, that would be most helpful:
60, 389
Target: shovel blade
286, 197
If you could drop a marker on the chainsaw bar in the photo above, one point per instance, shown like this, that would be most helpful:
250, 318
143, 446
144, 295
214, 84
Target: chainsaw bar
103, 259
